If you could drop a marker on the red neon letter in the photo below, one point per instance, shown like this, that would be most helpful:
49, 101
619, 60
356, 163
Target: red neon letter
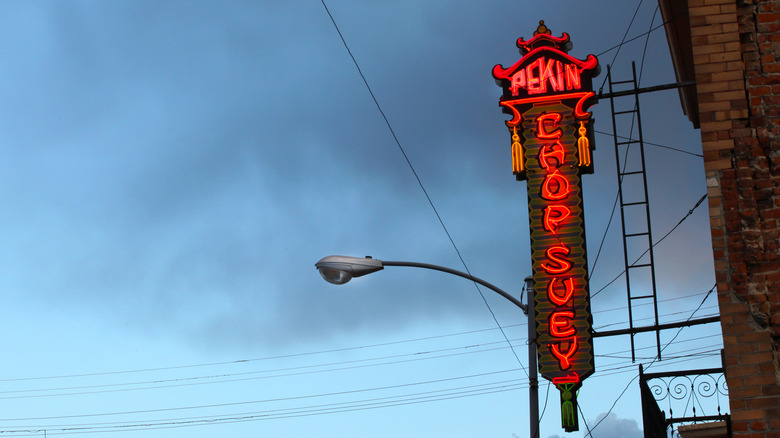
572, 77
558, 265
557, 182
563, 358
554, 214
547, 74
551, 150
534, 83
561, 324
518, 82
568, 291
572, 377
542, 132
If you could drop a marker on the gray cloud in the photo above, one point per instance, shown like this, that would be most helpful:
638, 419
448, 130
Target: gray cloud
612, 426
181, 169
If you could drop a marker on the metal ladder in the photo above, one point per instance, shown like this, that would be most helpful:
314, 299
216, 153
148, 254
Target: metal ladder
633, 198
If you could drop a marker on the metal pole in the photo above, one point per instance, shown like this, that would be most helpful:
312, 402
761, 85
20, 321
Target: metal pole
533, 379
465, 275
533, 391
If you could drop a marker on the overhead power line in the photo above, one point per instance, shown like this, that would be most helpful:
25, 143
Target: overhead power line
295, 412
690, 212
654, 144
626, 41
655, 359
289, 398
419, 182
260, 359
622, 42
433, 395
221, 378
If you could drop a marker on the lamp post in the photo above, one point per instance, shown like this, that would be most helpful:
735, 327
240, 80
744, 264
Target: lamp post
340, 269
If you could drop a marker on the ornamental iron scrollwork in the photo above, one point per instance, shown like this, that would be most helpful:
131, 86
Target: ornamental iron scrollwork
683, 397
692, 395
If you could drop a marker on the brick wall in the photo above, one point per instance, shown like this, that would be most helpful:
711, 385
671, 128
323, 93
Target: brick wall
736, 48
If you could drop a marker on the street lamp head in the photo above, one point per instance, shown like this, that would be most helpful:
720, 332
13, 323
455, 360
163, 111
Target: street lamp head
340, 269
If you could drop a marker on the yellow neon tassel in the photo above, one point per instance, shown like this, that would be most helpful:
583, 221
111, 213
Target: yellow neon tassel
583, 145
517, 153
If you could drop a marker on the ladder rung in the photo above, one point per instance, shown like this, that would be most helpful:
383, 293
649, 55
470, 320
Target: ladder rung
641, 297
646, 265
625, 112
637, 234
634, 203
627, 142
634, 172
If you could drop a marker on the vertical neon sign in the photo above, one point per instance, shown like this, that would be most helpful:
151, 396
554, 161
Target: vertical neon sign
547, 92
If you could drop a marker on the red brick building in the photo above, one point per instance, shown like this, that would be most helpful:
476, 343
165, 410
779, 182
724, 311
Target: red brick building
731, 48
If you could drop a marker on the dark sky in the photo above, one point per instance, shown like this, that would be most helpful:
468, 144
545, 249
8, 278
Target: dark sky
171, 170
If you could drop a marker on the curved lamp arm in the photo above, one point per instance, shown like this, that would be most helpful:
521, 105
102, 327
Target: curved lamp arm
341, 269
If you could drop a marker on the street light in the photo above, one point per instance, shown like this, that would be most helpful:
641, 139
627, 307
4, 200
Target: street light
340, 269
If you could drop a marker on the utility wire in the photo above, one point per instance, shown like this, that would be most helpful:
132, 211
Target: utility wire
419, 181
614, 205
289, 398
647, 41
653, 361
579, 408
320, 352
696, 352
630, 132
300, 411
253, 416
158, 384
285, 372
690, 212
604, 238
650, 318
270, 414
653, 144
261, 359
323, 367
613, 211
469, 390
622, 42
546, 398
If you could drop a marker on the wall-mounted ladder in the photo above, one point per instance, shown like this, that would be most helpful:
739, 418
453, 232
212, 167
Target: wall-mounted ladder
634, 203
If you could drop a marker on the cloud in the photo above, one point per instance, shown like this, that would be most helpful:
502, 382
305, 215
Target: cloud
183, 170
187, 181
613, 427
610, 427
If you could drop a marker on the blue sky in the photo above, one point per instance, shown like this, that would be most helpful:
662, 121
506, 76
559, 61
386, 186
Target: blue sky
170, 172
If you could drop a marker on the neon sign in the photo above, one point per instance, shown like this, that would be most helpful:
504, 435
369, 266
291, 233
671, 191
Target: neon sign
547, 93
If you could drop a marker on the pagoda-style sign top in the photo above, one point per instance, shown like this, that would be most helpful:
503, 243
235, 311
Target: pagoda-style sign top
546, 68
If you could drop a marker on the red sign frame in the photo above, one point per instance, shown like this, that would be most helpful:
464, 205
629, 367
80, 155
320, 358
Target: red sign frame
547, 93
